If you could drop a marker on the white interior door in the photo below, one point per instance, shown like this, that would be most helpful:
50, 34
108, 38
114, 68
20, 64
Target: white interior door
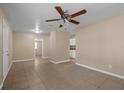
5, 49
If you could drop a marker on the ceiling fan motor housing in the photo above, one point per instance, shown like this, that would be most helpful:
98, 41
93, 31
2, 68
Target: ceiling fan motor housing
66, 17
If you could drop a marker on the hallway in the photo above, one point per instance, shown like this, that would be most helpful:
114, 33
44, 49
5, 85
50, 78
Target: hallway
42, 74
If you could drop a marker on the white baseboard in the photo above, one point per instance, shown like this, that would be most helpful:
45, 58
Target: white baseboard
45, 57
58, 62
102, 71
22, 60
1, 85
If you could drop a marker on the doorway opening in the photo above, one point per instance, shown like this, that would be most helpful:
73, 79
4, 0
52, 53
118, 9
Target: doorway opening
38, 48
72, 48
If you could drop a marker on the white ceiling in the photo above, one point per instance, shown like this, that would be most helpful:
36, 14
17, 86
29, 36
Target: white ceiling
25, 17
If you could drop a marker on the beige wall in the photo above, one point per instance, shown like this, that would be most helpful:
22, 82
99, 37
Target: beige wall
59, 41
101, 45
23, 45
52, 45
46, 47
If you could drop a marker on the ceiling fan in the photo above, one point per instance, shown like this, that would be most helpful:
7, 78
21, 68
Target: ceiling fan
67, 17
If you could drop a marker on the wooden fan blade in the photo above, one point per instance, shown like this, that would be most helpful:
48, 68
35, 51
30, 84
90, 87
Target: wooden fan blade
78, 13
73, 21
52, 20
59, 9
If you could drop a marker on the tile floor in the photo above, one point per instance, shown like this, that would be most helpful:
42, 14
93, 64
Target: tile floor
43, 75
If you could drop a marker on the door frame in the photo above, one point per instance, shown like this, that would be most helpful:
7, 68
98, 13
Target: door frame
72, 53
35, 40
5, 33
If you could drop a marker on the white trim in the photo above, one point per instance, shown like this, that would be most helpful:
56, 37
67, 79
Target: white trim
45, 57
58, 62
102, 71
22, 60
1, 85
